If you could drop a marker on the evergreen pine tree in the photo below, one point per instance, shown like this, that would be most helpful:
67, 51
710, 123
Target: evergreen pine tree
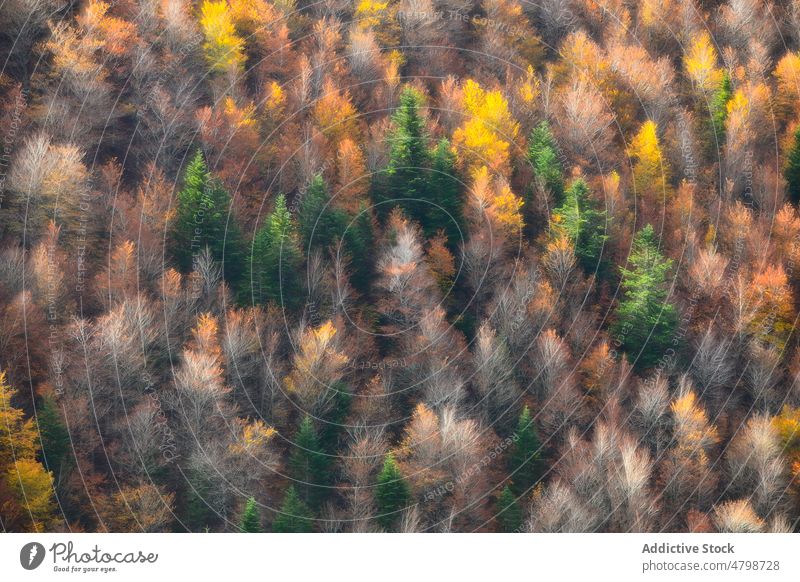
294, 515
405, 179
718, 115
203, 219
360, 243
308, 465
326, 227
543, 156
446, 209
55, 437
198, 514
274, 268
320, 223
792, 169
525, 461
646, 321
509, 512
251, 520
584, 223
391, 494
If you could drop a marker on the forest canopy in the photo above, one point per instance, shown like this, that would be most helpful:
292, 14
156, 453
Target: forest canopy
402, 266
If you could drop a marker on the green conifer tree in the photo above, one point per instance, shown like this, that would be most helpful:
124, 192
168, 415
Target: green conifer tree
585, 224
509, 512
55, 437
445, 212
326, 227
525, 459
646, 320
274, 267
543, 156
294, 515
718, 115
308, 465
392, 493
203, 219
792, 169
251, 520
321, 225
405, 179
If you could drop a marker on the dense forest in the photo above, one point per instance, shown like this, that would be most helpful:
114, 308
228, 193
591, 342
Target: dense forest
402, 265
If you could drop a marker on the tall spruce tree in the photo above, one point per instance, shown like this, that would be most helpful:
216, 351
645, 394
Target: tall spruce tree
405, 180
446, 209
324, 226
308, 465
392, 493
55, 437
792, 169
274, 267
509, 512
525, 459
543, 156
251, 520
203, 219
717, 116
646, 320
320, 223
584, 223
294, 515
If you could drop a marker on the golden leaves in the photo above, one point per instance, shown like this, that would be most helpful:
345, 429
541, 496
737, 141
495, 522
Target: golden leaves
650, 173
486, 136
700, 62
223, 48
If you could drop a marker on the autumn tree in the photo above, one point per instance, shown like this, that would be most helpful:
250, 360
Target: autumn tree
318, 368
650, 170
646, 320
687, 472
223, 48
26, 497
488, 132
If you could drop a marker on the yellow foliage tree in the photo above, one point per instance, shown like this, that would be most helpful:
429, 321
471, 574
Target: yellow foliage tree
787, 423
700, 62
494, 197
650, 171
32, 486
486, 136
787, 90
318, 368
770, 299
379, 17
335, 114
223, 47
29, 502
